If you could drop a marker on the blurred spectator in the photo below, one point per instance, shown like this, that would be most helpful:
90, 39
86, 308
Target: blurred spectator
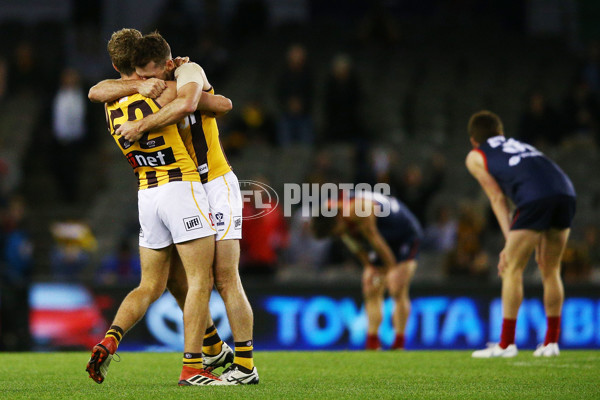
16, 268
539, 123
322, 169
253, 123
582, 257
468, 259
576, 266
441, 235
295, 90
305, 251
581, 113
342, 103
121, 267
591, 243
589, 71
69, 131
263, 238
417, 191
3, 79
70, 256
213, 58
24, 71
250, 19
177, 25
379, 27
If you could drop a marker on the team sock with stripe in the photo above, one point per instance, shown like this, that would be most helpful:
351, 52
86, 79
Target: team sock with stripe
113, 338
243, 355
193, 360
212, 343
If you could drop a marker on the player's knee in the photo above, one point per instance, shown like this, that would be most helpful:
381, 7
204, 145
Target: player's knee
226, 283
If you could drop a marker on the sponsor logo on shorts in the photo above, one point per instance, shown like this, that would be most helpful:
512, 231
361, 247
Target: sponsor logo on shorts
192, 223
219, 218
237, 223
141, 233
203, 169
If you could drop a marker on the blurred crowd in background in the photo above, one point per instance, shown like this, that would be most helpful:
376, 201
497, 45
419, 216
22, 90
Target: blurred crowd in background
323, 91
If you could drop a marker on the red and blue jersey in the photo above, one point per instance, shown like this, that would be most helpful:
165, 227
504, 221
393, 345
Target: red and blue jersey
523, 172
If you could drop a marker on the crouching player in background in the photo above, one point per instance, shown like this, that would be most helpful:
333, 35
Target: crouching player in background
384, 235
545, 205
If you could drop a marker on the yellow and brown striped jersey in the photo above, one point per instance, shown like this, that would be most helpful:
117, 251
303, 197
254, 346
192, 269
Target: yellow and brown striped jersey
159, 156
200, 134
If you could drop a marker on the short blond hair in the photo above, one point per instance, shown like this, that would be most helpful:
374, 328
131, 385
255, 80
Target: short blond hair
120, 49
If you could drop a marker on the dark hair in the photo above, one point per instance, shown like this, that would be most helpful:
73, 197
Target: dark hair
120, 48
484, 125
151, 47
322, 226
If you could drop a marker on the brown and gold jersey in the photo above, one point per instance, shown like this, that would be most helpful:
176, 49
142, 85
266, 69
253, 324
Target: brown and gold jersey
200, 135
159, 156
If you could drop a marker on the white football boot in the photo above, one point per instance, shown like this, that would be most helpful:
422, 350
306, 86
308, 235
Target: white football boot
233, 375
549, 350
220, 360
494, 350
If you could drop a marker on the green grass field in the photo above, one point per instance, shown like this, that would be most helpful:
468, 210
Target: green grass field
312, 375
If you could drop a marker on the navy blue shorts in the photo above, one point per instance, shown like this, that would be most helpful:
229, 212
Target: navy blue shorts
552, 212
403, 251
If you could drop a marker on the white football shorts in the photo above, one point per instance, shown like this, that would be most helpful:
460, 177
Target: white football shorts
225, 202
173, 213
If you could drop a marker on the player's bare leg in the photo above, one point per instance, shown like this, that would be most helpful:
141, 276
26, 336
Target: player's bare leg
239, 312
215, 352
520, 244
398, 282
548, 256
373, 285
197, 258
155, 269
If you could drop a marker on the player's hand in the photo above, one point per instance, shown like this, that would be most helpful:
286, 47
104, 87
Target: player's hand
130, 131
179, 61
502, 263
152, 87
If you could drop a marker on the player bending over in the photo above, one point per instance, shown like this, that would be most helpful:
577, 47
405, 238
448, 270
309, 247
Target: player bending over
386, 246
545, 205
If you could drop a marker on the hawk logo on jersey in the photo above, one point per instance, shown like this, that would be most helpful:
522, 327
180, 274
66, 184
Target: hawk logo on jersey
219, 218
142, 159
192, 223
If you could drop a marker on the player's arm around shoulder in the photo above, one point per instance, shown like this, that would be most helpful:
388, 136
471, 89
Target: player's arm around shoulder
476, 165
110, 90
182, 105
216, 104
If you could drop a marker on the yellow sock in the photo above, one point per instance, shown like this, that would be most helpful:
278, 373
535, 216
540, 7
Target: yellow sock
193, 360
115, 332
243, 354
212, 344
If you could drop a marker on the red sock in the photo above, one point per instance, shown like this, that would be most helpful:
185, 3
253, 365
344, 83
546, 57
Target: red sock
508, 332
398, 342
372, 342
553, 330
